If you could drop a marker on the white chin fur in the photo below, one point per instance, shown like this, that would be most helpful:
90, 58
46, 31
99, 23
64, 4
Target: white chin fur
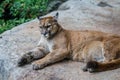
47, 35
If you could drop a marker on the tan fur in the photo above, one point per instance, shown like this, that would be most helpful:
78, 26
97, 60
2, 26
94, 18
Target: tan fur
84, 46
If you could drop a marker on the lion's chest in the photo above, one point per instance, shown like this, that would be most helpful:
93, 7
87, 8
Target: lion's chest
50, 45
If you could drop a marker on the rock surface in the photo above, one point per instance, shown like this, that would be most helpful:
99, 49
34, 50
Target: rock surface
101, 15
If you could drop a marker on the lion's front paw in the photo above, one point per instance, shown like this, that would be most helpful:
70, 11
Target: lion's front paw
37, 65
22, 61
25, 59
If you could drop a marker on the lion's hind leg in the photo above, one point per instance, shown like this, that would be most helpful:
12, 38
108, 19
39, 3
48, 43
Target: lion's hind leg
111, 57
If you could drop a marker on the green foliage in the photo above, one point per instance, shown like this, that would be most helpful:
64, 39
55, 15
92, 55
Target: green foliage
10, 24
27, 8
14, 12
24, 8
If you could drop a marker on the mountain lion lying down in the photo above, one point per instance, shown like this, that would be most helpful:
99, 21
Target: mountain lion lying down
100, 51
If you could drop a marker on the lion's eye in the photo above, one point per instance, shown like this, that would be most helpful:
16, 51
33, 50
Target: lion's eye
47, 26
40, 26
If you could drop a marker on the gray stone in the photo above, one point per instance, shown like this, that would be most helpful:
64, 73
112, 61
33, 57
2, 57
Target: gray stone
101, 15
53, 5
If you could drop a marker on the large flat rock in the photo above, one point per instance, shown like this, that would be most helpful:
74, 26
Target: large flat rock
101, 15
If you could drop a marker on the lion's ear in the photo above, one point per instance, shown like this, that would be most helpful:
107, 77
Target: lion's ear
39, 18
56, 16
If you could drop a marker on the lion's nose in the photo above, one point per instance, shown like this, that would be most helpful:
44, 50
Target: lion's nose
45, 33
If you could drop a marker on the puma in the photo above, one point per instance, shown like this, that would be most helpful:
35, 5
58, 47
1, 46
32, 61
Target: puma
100, 51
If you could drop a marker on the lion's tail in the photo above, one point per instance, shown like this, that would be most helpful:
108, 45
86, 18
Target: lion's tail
94, 66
